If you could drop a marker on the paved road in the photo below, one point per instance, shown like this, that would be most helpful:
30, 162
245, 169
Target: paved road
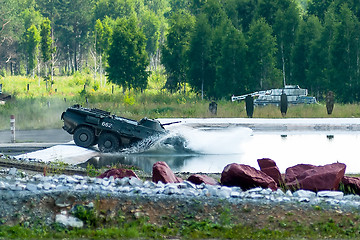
37, 136
31, 140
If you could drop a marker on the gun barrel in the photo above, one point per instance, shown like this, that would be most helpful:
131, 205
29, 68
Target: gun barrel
170, 123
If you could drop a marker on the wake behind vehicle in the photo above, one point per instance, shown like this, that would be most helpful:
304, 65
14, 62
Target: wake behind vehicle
112, 133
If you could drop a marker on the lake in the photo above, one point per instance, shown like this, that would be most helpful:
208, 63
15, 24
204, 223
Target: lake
211, 145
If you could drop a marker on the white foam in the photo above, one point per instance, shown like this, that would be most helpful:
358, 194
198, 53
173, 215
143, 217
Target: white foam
218, 141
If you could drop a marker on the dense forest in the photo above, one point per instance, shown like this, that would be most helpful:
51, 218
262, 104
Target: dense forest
216, 47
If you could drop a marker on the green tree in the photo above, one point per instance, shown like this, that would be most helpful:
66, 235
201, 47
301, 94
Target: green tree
11, 34
285, 28
324, 46
306, 38
32, 40
319, 8
159, 7
74, 19
317, 58
30, 17
103, 35
345, 54
176, 5
232, 66
46, 44
104, 31
176, 47
267, 9
241, 13
114, 8
261, 56
150, 24
128, 59
200, 69
206, 47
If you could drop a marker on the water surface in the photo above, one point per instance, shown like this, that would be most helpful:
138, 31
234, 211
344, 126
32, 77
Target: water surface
210, 149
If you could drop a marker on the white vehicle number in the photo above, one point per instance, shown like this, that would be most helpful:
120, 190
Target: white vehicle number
106, 124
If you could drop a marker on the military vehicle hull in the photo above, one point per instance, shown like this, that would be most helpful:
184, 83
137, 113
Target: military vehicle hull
112, 133
294, 94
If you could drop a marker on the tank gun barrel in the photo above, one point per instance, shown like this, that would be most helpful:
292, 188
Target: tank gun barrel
242, 97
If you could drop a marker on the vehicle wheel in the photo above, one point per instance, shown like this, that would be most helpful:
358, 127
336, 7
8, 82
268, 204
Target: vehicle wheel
84, 137
108, 143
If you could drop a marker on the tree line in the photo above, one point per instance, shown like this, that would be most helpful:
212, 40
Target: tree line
217, 47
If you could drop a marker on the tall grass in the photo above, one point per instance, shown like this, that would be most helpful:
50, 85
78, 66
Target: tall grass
33, 113
39, 107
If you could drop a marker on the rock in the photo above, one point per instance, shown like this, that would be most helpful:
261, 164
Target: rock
163, 173
319, 178
64, 201
331, 194
13, 171
2, 186
279, 192
304, 194
123, 181
269, 167
70, 179
31, 187
190, 185
246, 177
291, 173
118, 173
199, 179
351, 184
224, 192
171, 189
266, 163
69, 221
47, 186
135, 182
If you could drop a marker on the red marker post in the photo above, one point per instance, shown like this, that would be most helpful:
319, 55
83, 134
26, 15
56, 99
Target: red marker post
12, 128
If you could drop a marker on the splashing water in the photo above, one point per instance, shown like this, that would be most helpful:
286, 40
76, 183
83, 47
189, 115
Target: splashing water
185, 140
217, 141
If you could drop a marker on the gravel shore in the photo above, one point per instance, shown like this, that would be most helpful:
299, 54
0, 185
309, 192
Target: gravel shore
29, 198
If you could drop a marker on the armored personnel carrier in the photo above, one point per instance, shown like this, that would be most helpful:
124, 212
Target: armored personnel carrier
112, 133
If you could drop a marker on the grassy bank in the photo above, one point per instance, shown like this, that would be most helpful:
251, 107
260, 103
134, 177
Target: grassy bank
241, 222
37, 105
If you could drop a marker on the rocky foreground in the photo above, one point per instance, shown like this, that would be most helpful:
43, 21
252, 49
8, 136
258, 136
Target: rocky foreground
64, 199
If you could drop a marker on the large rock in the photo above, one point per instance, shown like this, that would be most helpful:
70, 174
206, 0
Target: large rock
319, 178
293, 172
163, 173
246, 177
269, 167
199, 179
118, 173
351, 184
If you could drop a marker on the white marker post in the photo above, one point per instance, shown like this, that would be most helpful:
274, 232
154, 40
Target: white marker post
12, 128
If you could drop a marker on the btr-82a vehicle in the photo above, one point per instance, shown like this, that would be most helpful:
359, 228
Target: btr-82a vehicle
112, 133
